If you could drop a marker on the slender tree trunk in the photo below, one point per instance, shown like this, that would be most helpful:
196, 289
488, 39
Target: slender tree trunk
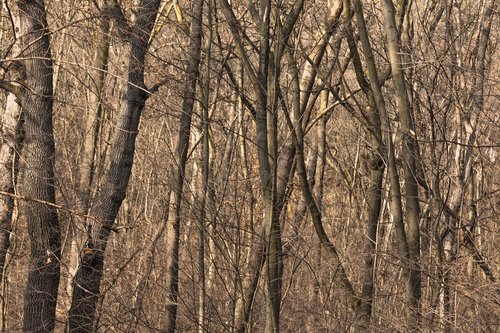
464, 165
411, 277
375, 168
9, 160
205, 177
10, 121
409, 151
110, 197
374, 203
173, 230
8, 173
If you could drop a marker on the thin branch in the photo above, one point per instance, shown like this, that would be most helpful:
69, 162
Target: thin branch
11, 87
44, 202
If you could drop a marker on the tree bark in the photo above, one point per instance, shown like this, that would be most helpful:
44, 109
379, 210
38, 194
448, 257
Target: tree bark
409, 151
375, 168
411, 277
173, 229
38, 170
10, 121
82, 317
7, 151
88, 158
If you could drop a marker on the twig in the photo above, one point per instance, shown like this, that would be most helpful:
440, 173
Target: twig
44, 202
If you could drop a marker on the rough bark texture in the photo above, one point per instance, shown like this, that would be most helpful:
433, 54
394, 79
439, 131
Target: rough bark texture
38, 171
88, 159
110, 197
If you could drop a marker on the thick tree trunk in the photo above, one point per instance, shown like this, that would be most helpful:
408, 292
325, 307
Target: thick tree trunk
110, 197
38, 171
88, 156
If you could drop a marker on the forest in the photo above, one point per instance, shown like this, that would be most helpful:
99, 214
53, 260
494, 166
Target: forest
249, 166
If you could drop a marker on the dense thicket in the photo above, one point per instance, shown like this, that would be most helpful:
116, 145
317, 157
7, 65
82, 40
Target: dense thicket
241, 166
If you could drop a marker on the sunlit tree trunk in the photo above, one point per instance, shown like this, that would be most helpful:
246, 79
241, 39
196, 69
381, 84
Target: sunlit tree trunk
82, 317
205, 176
411, 282
409, 153
174, 221
37, 178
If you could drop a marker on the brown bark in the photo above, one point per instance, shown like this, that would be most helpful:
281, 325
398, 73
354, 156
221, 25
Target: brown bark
375, 170
174, 222
10, 122
38, 171
411, 273
409, 151
8, 171
88, 162
108, 201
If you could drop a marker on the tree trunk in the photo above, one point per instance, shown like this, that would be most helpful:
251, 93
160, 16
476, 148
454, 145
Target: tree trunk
411, 277
110, 197
409, 151
375, 168
9, 159
7, 151
10, 122
88, 155
38, 171
173, 229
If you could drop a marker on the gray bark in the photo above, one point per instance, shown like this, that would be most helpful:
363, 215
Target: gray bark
38, 171
109, 199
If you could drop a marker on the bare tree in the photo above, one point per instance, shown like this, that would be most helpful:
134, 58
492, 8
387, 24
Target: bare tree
174, 221
110, 197
35, 97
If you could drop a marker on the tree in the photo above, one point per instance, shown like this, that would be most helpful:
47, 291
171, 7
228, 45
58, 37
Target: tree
89, 275
37, 178
249, 166
173, 229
